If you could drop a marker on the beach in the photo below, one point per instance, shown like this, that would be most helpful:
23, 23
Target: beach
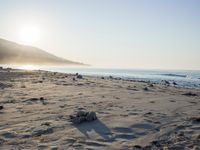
35, 109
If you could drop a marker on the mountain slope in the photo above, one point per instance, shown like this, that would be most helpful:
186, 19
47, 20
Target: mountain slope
13, 53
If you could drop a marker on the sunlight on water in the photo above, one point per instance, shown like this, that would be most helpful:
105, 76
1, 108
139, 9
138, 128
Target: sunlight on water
28, 67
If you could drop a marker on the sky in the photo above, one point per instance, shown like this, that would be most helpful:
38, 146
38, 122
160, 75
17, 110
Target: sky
145, 34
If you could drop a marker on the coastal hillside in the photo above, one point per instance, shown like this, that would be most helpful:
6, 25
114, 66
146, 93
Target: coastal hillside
13, 53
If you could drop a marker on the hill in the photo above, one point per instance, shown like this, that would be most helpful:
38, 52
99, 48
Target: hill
13, 53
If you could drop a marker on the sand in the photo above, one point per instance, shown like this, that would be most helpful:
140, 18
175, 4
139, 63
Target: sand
36, 109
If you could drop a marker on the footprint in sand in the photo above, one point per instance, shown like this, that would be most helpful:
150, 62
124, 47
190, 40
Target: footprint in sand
172, 101
142, 128
133, 113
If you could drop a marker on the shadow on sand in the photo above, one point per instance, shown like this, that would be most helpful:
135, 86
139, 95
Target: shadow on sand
98, 127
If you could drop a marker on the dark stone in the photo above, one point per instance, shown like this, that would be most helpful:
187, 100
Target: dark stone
190, 94
81, 113
80, 84
78, 120
151, 85
1, 107
148, 113
9, 135
155, 142
91, 116
33, 99
79, 76
41, 131
46, 124
137, 147
196, 119
82, 116
181, 134
2, 85
166, 82
54, 148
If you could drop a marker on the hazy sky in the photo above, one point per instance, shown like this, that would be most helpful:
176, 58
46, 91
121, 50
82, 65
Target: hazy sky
110, 33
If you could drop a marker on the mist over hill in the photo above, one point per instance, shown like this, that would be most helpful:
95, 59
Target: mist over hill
13, 53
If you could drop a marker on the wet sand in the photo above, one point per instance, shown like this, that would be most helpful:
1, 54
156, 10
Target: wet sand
35, 107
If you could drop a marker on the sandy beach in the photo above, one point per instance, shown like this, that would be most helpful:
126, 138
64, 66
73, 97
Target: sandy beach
35, 109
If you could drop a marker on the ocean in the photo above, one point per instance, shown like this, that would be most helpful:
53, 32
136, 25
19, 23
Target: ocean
180, 78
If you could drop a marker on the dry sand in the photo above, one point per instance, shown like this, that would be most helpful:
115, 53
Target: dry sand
36, 105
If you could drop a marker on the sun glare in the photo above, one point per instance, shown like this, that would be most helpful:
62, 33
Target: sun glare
28, 67
29, 34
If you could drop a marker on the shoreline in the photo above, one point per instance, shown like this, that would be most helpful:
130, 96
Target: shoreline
36, 109
178, 78
171, 83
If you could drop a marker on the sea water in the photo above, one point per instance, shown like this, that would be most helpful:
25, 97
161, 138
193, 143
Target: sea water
182, 78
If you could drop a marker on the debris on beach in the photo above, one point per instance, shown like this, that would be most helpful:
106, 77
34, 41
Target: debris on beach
190, 94
83, 116
78, 76
35, 100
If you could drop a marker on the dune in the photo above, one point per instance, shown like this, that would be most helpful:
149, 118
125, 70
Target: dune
13, 53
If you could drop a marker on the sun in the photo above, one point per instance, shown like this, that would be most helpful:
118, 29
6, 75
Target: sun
29, 34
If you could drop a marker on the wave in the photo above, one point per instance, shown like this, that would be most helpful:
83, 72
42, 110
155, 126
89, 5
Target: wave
175, 75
